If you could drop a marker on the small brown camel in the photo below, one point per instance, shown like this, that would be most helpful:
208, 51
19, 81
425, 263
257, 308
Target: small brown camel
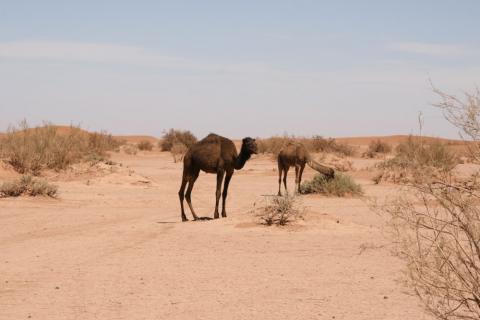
295, 154
213, 154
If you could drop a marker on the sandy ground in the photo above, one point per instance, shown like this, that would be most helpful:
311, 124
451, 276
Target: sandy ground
113, 247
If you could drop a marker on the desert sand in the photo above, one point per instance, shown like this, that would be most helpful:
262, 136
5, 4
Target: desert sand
112, 247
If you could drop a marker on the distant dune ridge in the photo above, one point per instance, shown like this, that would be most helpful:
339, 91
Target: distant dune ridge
354, 141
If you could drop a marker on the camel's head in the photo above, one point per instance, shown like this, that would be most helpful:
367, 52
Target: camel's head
331, 174
250, 145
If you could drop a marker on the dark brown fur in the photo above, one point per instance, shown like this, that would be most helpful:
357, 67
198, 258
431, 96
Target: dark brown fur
213, 154
296, 155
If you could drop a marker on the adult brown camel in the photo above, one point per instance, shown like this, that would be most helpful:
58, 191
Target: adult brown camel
295, 154
213, 154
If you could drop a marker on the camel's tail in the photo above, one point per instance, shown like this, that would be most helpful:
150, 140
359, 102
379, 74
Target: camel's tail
328, 172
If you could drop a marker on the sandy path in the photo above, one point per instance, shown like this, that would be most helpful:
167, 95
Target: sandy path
114, 249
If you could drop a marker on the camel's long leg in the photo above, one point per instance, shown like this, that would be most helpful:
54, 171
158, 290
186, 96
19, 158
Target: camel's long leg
297, 171
220, 175
300, 176
285, 172
181, 194
280, 170
188, 194
225, 191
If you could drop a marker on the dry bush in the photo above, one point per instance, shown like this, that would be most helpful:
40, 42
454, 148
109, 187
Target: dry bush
275, 144
436, 226
340, 186
30, 150
377, 147
145, 145
27, 185
417, 158
281, 210
330, 145
178, 151
101, 142
176, 136
130, 149
342, 165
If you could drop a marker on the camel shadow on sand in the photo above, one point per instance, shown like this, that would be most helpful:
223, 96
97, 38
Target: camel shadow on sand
198, 219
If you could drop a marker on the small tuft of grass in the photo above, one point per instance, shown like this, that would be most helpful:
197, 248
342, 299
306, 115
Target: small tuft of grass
340, 186
281, 210
27, 185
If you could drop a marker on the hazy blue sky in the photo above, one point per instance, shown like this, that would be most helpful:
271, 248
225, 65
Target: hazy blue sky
238, 68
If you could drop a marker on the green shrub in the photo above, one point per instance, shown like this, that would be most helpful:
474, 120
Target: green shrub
340, 186
27, 185
176, 136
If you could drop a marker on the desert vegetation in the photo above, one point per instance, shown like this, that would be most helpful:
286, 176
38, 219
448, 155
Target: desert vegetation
178, 151
174, 136
31, 150
314, 144
340, 186
435, 223
414, 158
27, 185
145, 145
377, 147
280, 210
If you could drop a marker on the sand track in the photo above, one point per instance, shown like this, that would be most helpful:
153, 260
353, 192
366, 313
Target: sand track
111, 249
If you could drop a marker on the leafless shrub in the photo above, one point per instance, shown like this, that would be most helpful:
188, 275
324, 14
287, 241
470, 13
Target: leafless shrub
377, 147
130, 149
145, 145
273, 145
436, 226
280, 210
342, 165
30, 150
416, 158
176, 136
178, 151
27, 185
330, 145
315, 144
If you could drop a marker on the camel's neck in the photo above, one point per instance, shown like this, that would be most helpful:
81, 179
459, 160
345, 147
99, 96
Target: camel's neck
241, 159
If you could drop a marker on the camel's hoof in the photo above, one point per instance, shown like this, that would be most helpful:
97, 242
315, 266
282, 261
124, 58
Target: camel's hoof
184, 219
